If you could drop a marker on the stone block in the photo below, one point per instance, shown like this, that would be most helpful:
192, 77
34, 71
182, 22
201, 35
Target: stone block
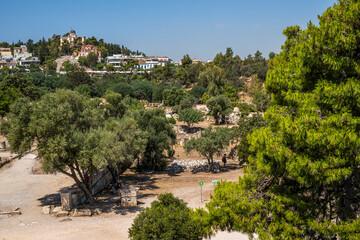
56, 210
81, 213
62, 214
66, 201
46, 210
128, 195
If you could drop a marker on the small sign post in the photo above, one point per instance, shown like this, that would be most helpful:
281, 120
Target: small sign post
201, 184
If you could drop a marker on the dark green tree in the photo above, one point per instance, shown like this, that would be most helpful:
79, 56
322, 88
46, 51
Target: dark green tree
214, 79
173, 96
91, 60
160, 137
302, 180
167, 218
212, 142
219, 106
190, 116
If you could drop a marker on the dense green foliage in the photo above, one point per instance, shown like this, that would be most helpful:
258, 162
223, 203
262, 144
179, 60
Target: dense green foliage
173, 96
302, 180
74, 135
211, 143
160, 136
14, 86
246, 125
167, 218
190, 116
219, 106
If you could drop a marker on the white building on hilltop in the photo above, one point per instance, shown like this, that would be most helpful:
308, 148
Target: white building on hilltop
71, 38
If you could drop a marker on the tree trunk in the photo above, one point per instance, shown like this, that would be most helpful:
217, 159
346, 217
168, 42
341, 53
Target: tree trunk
223, 119
210, 166
81, 185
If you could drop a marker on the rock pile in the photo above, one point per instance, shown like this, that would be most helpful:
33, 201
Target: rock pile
59, 212
193, 165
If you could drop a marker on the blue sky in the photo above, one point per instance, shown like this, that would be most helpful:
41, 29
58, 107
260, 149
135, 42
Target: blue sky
200, 28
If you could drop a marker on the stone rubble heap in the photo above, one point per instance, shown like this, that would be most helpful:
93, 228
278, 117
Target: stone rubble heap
192, 165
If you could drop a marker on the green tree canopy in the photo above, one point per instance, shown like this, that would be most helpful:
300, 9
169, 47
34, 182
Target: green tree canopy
160, 137
173, 96
302, 180
167, 218
211, 143
73, 136
190, 116
91, 59
214, 79
219, 106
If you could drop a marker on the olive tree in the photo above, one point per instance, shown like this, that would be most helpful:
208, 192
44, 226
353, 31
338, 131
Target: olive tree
212, 142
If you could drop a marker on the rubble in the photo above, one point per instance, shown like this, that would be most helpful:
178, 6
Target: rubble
62, 214
81, 213
188, 165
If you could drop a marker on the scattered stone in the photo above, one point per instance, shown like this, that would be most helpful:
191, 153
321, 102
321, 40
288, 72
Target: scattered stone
62, 214
22, 224
65, 220
81, 213
12, 213
97, 211
188, 165
46, 210
56, 210
15, 213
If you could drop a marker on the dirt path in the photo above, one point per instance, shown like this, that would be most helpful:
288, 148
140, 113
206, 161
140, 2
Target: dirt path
20, 188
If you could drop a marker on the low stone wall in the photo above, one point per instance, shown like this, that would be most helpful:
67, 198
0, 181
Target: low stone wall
71, 199
188, 165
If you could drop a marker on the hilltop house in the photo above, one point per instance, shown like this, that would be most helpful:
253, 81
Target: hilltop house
20, 50
71, 38
85, 50
5, 51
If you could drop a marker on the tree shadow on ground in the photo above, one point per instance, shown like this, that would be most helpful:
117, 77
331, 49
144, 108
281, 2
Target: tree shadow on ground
191, 130
54, 198
109, 202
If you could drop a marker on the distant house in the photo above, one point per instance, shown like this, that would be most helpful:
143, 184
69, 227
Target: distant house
71, 38
27, 61
5, 51
195, 61
85, 50
8, 61
20, 50
145, 63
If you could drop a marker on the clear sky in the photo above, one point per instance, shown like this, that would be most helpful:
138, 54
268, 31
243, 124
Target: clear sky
200, 28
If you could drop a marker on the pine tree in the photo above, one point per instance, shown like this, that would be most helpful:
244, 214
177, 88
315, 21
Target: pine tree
302, 180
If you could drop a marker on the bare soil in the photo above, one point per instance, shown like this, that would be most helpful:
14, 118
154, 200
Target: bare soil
24, 185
